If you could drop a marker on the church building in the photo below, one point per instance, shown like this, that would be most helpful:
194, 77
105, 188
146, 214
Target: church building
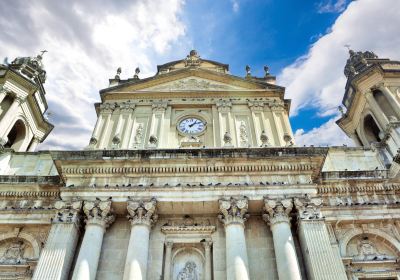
194, 174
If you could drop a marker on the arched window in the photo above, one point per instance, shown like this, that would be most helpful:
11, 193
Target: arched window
16, 136
384, 104
371, 129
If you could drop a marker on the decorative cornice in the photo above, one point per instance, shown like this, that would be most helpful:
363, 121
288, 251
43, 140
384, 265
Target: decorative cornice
277, 211
309, 208
41, 180
142, 212
202, 229
233, 210
98, 212
188, 169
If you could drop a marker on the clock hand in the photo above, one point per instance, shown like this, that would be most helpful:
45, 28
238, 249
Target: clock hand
190, 125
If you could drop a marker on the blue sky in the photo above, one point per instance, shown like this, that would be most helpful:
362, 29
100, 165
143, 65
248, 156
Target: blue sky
301, 41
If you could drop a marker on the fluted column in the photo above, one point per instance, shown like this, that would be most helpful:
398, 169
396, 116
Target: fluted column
208, 264
98, 217
5, 122
233, 214
320, 259
57, 255
167, 263
277, 216
142, 215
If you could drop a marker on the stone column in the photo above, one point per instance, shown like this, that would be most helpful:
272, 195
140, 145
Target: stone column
57, 255
127, 110
141, 214
208, 264
5, 122
106, 112
98, 217
3, 94
225, 122
233, 214
167, 263
377, 111
320, 259
391, 98
277, 216
34, 144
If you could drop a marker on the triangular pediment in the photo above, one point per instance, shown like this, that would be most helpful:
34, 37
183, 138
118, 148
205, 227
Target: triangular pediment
190, 80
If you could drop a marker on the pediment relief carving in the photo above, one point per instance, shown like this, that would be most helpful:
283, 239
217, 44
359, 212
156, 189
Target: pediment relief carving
192, 83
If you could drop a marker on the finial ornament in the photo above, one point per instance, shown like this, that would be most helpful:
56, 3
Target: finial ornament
266, 70
248, 70
137, 71
264, 139
117, 76
340, 108
192, 59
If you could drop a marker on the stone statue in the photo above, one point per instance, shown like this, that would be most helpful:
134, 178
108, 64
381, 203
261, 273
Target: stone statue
137, 71
139, 134
244, 139
189, 272
14, 254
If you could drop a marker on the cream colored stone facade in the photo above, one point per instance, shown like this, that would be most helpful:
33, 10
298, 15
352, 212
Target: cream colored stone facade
193, 174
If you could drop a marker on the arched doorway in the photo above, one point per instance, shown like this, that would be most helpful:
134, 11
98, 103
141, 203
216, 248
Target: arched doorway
371, 130
16, 136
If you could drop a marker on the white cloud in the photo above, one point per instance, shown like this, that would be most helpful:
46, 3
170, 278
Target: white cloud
86, 42
235, 5
332, 6
327, 134
316, 80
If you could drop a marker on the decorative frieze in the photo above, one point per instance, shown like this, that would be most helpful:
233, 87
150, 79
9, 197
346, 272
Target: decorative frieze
277, 210
99, 212
142, 211
233, 210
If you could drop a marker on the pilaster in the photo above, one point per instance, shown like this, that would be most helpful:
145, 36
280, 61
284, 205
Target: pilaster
320, 259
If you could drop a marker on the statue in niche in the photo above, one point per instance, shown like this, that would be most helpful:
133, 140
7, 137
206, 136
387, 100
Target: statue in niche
14, 254
139, 134
189, 272
243, 134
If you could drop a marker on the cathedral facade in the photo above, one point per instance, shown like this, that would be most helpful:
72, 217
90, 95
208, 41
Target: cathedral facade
194, 174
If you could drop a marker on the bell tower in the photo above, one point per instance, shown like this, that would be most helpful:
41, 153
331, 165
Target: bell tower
23, 104
372, 100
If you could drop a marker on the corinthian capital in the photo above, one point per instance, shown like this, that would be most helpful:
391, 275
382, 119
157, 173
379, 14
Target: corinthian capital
142, 211
98, 212
67, 212
233, 210
309, 208
277, 210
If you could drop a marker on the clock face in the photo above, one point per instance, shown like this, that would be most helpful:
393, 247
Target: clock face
191, 125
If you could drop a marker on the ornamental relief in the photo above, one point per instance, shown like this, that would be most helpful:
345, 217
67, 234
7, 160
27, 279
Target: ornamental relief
192, 84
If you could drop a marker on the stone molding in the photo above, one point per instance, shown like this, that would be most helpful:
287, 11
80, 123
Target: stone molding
98, 212
142, 212
277, 210
309, 208
188, 229
233, 210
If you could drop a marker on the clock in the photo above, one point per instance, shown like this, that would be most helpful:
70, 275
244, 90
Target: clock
191, 126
